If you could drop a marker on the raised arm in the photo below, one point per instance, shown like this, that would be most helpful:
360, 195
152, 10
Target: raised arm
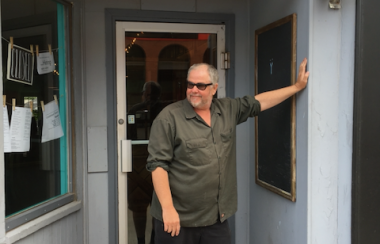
169, 213
272, 98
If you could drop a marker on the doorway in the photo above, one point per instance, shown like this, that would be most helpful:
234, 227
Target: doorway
152, 60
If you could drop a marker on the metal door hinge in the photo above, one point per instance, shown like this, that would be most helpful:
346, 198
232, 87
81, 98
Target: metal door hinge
225, 60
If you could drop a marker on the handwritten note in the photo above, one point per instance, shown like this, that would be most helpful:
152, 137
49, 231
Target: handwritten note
45, 63
20, 129
7, 133
52, 128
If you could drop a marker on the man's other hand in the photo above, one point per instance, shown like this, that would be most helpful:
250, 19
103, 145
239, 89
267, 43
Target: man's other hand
171, 221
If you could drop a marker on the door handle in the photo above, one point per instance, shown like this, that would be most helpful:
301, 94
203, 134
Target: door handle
126, 156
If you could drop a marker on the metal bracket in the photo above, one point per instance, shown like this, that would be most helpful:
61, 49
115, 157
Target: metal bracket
334, 4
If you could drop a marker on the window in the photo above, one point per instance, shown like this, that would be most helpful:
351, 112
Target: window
37, 176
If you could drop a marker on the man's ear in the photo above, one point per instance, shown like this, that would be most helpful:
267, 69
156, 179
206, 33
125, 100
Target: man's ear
215, 88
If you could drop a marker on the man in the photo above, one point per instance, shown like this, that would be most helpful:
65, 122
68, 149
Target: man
192, 157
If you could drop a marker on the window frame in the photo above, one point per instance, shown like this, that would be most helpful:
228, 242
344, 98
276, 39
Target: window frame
48, 206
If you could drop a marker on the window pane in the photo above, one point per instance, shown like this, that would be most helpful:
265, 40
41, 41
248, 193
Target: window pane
39, 174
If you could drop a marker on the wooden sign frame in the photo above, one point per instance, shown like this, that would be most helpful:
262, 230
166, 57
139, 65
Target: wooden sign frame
275, 146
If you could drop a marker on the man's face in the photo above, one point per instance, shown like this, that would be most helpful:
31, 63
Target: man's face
200, 99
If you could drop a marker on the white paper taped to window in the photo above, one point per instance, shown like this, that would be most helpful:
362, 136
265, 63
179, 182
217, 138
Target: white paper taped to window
52, 128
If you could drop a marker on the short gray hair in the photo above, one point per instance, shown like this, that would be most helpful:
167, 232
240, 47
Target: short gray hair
212, 72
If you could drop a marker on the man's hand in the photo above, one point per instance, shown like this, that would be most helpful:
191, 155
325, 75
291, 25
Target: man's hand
171, 221
303, 75
170, 216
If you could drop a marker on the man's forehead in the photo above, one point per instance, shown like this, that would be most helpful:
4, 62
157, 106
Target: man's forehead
199, 71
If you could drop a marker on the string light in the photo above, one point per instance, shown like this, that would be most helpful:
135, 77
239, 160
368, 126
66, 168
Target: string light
129, 46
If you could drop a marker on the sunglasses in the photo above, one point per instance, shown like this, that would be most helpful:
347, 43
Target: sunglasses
200, 86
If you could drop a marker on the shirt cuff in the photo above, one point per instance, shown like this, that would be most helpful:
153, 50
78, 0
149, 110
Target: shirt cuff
151, 166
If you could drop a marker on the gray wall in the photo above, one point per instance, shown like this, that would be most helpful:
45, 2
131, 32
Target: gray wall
321, 213
324, 120
275, 219
64, 231
331, 51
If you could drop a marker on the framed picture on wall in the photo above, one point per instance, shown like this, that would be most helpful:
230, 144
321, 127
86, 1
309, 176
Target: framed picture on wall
275, 67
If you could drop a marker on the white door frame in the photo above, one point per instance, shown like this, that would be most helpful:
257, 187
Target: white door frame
123, 165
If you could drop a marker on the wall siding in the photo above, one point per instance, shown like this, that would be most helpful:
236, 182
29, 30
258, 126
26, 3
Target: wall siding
65, 231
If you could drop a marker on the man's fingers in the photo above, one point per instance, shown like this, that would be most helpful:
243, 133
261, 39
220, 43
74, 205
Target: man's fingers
166, 227
172, 229
304, 62
177, 230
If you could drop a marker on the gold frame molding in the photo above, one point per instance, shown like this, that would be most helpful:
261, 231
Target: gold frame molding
292, 177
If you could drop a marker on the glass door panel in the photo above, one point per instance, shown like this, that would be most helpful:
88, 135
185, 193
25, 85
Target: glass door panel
156, 62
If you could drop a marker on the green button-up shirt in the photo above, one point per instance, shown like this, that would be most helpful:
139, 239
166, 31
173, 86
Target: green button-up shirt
200, 160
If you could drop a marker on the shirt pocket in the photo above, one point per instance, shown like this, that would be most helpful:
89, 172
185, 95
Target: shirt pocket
198, 150
226, 135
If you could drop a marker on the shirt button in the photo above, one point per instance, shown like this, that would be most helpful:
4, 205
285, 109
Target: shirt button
222, 215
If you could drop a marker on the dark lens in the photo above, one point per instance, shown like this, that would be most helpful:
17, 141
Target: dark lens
190, 85
201, 86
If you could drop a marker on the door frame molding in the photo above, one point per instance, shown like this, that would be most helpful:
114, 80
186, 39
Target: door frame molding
113, 15
365, 154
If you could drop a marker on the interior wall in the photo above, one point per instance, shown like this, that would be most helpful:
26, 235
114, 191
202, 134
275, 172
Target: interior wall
275, 219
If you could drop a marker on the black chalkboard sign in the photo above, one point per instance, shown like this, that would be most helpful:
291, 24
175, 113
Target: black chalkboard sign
275, 60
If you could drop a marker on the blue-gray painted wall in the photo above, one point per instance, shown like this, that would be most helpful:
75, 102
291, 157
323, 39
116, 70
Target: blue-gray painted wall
324, 120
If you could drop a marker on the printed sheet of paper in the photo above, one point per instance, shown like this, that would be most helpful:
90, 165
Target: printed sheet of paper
45, 63
21, 122
7, 133
52, 128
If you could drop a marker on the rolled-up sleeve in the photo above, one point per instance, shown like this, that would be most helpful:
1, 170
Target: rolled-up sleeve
247, 107
160, 146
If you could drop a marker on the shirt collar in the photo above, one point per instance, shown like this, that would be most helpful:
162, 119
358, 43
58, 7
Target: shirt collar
215, 109
188, 110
